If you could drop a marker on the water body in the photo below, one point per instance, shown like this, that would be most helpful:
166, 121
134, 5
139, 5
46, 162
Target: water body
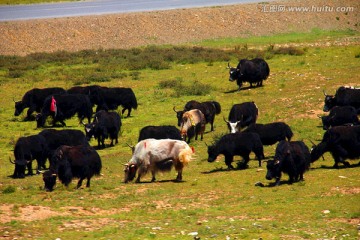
100, 7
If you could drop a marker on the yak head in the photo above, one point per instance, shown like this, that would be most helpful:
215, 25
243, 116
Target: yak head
213, 153
233, 126
20, 167
329, 102
19, 107
179, 115
234, 73
188, 125
130, 172
273, 169
89, 130
49, 179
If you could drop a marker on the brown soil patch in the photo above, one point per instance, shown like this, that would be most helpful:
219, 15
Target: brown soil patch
346, 190
172, 26
10, 212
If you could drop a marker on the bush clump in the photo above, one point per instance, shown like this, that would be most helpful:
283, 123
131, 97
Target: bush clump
180, 89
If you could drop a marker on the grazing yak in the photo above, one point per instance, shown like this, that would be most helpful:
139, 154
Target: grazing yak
340, 115
241, 144
344, 96
343, 142
252, 71
65, 106
26, 150
192, 124
159, 132
111, 98
55, 138
92, 91
34, 100
292, 158
209, 109
70, 162
157, 155
242, 115
271, 133
104, 125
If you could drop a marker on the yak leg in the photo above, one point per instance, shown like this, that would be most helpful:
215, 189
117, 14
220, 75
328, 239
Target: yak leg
88, 182
153, 179
228, 161
179, 176
29, 167
80, 182
138, 178
291, 179
301, 177
116, 138
246, 160
99, 142
129, 111
239, 83
277, 182
102, 141
29, 112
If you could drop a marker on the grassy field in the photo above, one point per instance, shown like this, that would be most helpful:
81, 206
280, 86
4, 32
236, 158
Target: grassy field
211, 202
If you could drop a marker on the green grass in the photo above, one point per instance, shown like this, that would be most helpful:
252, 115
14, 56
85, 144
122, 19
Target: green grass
315, 35
211, 201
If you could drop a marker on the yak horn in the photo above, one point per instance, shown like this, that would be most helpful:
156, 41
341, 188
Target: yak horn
324, 93
229, 65
131, 147
312, 142
174, 109
225, 120
11, 160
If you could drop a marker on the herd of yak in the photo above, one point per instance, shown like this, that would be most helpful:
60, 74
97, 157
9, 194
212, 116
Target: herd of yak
160, 148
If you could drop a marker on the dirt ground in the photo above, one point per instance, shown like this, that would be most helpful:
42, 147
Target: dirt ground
175, 26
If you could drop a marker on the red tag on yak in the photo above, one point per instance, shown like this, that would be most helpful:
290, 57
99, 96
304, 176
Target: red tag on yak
193, 149
53, 107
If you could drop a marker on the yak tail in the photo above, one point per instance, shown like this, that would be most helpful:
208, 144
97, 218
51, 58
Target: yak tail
185, 155
217, 107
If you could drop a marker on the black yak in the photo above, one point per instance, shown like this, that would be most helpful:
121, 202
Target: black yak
70, 162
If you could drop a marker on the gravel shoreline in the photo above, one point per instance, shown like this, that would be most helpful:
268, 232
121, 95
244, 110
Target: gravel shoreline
174, 26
